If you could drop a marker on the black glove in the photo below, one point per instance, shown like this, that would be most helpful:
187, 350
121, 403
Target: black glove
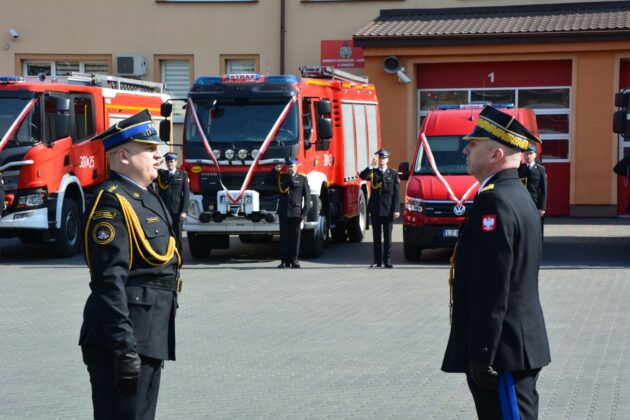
127, 373
484, 376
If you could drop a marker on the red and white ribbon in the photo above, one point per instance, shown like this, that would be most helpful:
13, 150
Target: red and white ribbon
452, 196
13, 128
261, 151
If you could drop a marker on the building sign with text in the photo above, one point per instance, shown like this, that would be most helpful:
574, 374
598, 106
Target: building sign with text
341, 54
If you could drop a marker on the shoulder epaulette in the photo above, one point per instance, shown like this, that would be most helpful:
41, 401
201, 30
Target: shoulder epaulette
488, 187
112, 188
300, 173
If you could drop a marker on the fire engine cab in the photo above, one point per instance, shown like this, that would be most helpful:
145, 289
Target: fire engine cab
440, 192
238, 127
47, 161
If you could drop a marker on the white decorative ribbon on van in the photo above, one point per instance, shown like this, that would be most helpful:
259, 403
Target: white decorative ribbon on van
17, 123
263, 147
458, 201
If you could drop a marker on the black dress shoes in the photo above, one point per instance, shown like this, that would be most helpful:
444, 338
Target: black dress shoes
295, 264
388, 265
375, 265
282, 265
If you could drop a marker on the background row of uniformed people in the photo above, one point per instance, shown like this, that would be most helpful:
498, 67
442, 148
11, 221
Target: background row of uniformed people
174, 189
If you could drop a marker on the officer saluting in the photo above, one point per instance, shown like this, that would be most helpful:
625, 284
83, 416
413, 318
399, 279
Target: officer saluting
498, 336
383, 205
292, 208
129, 318
174, 190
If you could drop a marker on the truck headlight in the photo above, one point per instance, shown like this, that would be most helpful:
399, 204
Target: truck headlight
254, 153
194, 210
229, 154
414, 204
34, 199
242, 154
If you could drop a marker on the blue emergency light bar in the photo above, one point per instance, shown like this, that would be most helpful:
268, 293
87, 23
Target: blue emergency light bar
11, 79
245, 78
473, 106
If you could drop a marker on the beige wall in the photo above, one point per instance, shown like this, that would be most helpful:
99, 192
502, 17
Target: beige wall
205, 30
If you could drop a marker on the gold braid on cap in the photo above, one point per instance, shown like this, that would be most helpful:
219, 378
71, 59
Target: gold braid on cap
505, 135
142, 245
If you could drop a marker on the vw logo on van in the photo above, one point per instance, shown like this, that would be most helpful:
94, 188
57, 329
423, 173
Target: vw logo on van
459, 209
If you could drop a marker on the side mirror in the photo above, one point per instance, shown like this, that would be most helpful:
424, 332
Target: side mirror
166, 109
324, 129
165, 131
403, 169
323, 107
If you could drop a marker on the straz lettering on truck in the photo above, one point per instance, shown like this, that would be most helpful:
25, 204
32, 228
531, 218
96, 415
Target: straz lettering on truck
239, 127
48, 163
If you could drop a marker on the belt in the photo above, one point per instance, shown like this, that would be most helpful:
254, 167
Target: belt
169, 284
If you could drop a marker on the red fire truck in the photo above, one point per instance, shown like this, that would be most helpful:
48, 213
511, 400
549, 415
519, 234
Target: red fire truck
440, 191
238, 127
47, 162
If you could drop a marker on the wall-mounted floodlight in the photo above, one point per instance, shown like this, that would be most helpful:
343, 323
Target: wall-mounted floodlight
392, 65
14, 34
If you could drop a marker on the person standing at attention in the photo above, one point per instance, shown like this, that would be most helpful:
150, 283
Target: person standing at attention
293, 206
174, 190
498, 336
128, 326
383, 205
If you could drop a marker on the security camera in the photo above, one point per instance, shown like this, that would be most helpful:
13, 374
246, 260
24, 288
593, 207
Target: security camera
14, 33
402, 77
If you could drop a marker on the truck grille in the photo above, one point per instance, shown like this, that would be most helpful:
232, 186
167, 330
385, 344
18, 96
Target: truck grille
444, 208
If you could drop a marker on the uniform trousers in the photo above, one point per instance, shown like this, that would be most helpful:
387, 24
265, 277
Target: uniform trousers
177, 229
289, 238
488, 404
382, 226
111, 405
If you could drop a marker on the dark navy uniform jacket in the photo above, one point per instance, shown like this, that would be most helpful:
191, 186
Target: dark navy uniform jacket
385, 191
174, 190
497, 319
124, 311
535, 179
292, 190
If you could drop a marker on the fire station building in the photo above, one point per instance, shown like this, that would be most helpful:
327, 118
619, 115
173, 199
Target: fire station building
566, 61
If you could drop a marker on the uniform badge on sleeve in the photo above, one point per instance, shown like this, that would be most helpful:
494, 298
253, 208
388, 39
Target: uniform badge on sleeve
488, 222
103, 233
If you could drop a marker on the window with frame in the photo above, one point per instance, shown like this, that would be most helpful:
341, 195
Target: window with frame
63, 67
84, 126
240, 64
176, 76
550, 104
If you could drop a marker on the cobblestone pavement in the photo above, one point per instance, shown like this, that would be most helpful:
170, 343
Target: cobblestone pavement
332, 340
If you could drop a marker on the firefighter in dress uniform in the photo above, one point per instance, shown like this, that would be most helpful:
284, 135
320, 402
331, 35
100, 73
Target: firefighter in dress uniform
498, 336
534, 177
174, 190
383, 205
292, 208
129, 318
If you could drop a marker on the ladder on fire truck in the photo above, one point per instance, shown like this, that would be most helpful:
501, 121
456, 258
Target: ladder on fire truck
102, 80
327, 72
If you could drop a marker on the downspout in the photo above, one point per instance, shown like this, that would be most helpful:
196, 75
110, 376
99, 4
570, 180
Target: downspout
282, 31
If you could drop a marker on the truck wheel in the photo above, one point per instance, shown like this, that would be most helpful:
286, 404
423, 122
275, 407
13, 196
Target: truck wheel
312, 241
66, 242
412, 252
198, 245
358, 224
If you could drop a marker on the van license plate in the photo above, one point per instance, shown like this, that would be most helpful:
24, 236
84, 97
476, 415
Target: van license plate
450, 233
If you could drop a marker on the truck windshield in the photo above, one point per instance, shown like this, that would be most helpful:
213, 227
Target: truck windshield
448, 154
230, 120
28, 133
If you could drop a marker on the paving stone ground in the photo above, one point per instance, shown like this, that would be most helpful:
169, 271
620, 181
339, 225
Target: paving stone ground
334, 339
